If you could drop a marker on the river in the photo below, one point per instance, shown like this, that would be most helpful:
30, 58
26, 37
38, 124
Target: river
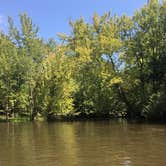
100, 143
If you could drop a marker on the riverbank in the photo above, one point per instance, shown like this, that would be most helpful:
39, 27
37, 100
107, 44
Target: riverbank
77, 118
13, 119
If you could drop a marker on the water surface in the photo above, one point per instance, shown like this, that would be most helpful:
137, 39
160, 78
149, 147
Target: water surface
82, 144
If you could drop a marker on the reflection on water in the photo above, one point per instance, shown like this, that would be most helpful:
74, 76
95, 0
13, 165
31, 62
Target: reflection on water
82, 143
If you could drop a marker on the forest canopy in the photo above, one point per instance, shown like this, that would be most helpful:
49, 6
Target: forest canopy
112, 67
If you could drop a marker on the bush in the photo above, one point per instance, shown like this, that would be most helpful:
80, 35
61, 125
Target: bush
156, 107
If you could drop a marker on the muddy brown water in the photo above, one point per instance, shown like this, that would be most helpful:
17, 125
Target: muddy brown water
102, 143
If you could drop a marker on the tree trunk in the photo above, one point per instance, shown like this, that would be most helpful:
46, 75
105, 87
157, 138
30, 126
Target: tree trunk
122, 95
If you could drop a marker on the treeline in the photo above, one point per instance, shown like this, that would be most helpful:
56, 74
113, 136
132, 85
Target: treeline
114, 66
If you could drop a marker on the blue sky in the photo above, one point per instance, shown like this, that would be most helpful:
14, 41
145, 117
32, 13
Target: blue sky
52, 15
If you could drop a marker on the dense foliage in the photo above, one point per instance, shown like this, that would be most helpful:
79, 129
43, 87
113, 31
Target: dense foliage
114, 66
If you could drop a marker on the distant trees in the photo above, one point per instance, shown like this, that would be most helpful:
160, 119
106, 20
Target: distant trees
114, 66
